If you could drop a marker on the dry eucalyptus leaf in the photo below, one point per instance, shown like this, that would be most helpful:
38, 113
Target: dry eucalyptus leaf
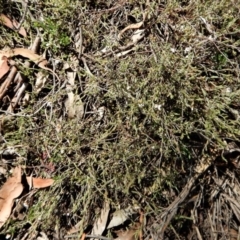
27, 53
100, 224
4, 68
39, 182
119, 217
10, 190
13, 24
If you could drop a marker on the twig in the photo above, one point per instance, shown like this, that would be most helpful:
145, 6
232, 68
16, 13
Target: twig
88, 236
86, 67
14, 114
7, 82
99, 237
24, 15
141, 221
81, 42
195, 225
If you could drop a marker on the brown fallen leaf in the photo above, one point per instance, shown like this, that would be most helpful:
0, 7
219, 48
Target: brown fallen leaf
27, 53
39, 182
4, 68
13, 24
10, 190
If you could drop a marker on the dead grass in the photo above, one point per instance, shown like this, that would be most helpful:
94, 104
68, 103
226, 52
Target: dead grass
170, 103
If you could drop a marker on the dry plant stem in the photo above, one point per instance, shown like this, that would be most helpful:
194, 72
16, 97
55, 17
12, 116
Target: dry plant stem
25, 236
14, 114
7, 82
175, 232
81, 42
86, 66
141, 221
195, 226
87, 236
24, 15
99, 237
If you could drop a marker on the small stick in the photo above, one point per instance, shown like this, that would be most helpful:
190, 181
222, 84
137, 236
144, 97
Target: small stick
88, 236
81, 42
7, 82
24, 16
141, 221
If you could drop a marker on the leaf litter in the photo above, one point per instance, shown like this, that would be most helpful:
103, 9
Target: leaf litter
39, 182
10, 190
119, 217
163, 140
13, 188
100, 223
